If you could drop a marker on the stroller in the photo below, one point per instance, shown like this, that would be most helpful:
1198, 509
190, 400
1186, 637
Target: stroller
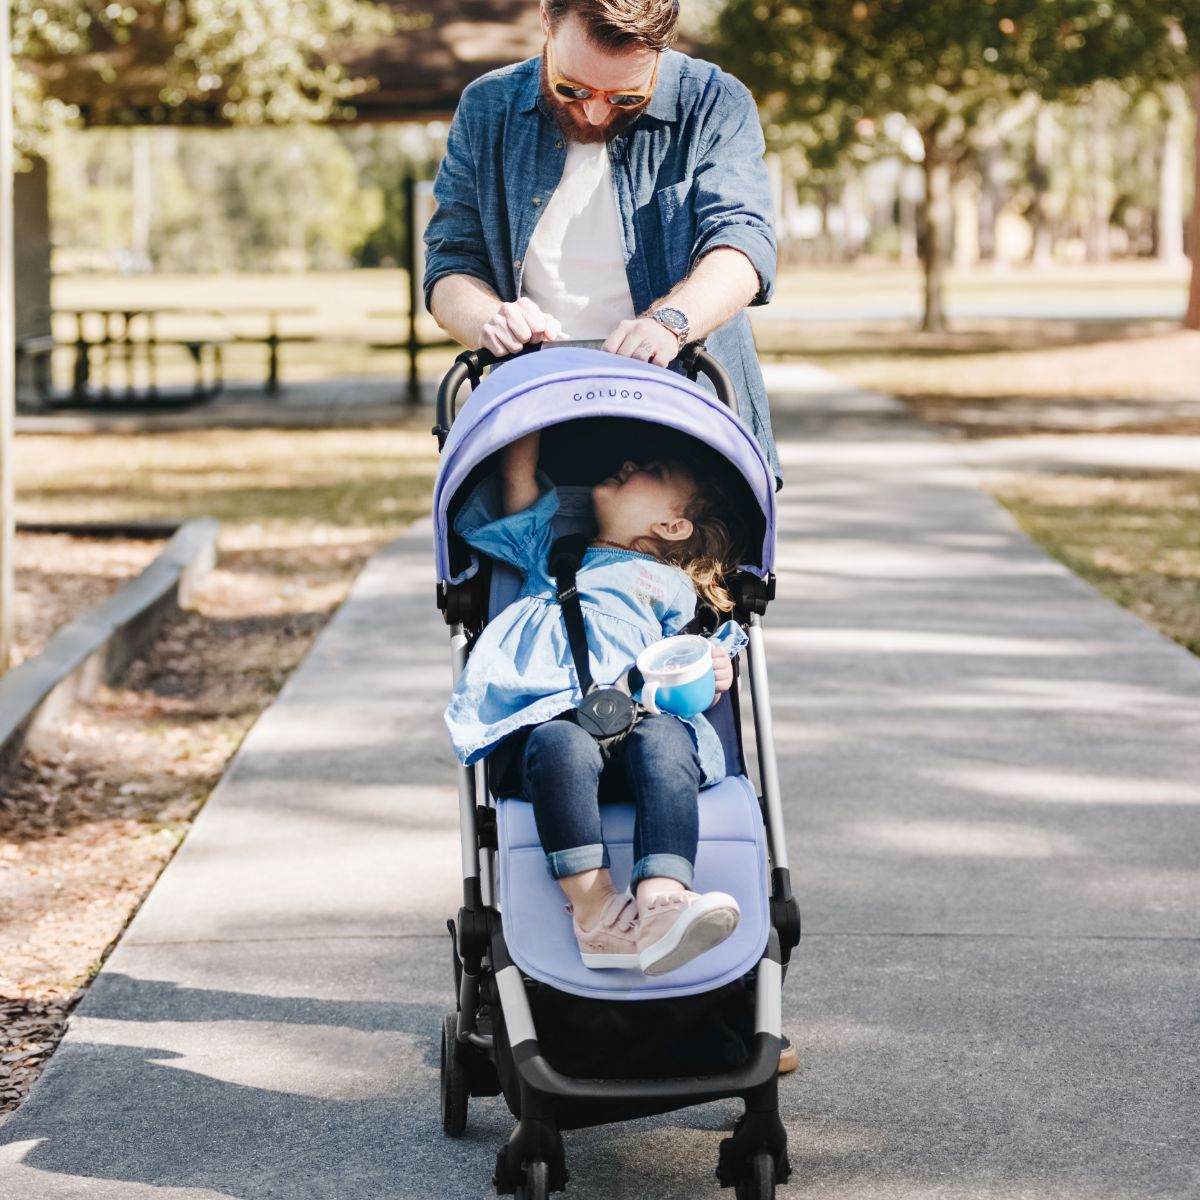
710, 1030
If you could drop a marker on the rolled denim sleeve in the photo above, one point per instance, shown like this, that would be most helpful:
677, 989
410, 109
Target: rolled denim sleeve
454, 237
732, 190
521, 538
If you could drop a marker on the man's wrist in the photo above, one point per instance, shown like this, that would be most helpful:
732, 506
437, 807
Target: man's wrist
674, 320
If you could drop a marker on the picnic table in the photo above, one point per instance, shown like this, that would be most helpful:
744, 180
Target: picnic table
127, 335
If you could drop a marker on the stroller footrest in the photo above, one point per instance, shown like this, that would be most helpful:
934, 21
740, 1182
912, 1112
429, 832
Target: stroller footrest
760, 1069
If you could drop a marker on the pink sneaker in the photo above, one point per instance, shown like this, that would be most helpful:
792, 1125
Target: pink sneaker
677, 928
613, 940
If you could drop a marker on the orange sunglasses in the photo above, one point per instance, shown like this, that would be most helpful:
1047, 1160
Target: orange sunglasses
617, 97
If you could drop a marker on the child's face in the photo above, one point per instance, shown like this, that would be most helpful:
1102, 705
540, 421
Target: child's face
646, 500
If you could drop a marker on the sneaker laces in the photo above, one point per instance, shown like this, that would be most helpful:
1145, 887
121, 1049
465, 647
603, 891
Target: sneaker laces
622, 919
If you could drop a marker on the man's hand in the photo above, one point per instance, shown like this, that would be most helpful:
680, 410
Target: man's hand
722, 668
517, 323
644, 338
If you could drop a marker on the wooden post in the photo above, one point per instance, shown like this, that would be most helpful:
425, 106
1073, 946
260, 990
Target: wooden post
411, 259
1192, 319
8, 352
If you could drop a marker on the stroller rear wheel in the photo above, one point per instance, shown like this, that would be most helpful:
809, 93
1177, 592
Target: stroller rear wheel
456, 1088
537, 1181
759, 1181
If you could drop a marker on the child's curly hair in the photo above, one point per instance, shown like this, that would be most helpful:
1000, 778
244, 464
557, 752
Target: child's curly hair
716, 542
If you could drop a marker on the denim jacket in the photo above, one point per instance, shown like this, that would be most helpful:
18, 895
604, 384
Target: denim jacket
689, 177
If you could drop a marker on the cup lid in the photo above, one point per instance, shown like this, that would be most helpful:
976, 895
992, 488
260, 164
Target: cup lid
674, 654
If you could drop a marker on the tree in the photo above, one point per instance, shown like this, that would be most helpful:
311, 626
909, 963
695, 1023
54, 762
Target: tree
1185, 16
950, 67
158, 61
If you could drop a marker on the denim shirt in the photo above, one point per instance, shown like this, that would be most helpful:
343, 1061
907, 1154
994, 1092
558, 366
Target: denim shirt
689, 177
521, 670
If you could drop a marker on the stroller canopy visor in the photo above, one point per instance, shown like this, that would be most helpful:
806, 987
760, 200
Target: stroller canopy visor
555, 386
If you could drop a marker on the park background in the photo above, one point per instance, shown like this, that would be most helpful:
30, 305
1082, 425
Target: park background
985, 209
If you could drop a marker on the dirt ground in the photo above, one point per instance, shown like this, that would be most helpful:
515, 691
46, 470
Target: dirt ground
98, 806
1005, 382
58, 577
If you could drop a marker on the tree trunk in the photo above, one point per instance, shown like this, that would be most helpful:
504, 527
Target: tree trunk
934, 217
1168, 241
908, 186
142, 189
7, 345
989, 203
1097, 234
1192, 320
1039, 174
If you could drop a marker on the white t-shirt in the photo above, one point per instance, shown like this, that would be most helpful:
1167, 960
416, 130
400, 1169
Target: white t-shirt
575, 264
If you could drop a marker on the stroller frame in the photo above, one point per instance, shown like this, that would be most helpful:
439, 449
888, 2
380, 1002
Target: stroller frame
484, 1056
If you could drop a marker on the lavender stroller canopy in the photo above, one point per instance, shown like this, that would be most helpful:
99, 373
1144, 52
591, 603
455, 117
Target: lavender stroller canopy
557, 386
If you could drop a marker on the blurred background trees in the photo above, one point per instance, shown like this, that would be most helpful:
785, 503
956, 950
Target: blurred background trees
947, 133
952, 83
198, 200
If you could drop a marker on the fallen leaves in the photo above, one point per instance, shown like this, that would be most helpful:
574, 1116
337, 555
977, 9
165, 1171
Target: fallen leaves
101, 801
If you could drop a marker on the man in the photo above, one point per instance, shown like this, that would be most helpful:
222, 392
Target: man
612, 190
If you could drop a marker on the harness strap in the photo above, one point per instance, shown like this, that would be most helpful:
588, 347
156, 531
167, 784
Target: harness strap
565, 556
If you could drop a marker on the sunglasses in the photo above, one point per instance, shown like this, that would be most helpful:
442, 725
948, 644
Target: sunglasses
618, 98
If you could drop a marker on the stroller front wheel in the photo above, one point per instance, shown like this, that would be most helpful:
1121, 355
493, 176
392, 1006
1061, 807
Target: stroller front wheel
759, 1181
456, 1089
537, 1181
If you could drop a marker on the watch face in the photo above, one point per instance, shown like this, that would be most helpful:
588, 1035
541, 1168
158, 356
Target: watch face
672, 318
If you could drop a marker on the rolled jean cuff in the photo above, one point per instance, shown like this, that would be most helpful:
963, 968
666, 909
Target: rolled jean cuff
666, 866
577, 860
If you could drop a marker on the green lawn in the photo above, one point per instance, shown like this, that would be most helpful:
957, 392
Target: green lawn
1133, 535
289, 485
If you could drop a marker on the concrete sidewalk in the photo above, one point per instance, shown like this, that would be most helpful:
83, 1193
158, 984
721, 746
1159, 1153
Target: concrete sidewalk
993, 793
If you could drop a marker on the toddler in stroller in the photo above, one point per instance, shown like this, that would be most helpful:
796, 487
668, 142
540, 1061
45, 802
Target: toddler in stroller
659, 538
653, 1019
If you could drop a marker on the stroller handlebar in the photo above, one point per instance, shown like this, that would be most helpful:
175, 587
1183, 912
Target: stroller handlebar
471, 364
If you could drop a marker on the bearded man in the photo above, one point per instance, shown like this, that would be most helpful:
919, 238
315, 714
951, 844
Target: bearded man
611, 189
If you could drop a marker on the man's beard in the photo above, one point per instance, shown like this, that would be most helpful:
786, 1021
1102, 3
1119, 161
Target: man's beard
576, 127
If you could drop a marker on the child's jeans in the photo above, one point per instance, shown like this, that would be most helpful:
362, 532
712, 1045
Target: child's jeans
565, 776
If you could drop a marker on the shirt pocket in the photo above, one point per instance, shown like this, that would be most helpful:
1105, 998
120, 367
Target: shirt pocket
677, 223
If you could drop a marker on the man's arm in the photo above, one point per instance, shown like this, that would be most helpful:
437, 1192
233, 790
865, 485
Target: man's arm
723, 282
734, 255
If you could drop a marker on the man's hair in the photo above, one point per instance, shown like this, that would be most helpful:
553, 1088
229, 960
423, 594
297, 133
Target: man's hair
620, 24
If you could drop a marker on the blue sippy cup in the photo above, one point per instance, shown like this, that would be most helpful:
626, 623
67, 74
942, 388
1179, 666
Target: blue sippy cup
678, 674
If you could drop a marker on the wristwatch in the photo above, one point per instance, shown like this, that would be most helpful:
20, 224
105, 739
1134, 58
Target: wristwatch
675, 321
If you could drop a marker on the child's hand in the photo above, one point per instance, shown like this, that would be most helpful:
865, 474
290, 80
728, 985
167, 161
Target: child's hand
722, 668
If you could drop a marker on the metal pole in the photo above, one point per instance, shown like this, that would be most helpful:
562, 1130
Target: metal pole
410, 255
8, 362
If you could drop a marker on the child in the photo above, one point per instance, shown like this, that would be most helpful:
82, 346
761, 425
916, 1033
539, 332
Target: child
658, 541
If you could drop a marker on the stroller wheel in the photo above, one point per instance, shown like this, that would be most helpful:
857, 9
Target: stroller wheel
456, 1088
537, 1181
759, 1181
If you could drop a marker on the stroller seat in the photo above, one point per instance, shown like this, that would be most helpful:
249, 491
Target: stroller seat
732, 858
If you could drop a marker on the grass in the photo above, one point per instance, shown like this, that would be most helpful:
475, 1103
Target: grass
293, 484
1149, 362
1133, 535
349, 310
835, 286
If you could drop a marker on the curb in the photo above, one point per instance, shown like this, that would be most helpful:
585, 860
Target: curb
95, 648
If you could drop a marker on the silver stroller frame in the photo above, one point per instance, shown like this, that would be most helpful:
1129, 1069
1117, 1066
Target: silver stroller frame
475, 1055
